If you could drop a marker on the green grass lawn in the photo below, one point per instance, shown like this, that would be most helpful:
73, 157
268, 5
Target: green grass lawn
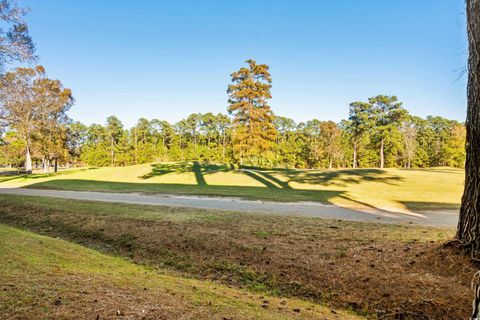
388, 189
47, 278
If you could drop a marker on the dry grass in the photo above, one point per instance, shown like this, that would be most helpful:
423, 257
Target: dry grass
46, 278
393, 272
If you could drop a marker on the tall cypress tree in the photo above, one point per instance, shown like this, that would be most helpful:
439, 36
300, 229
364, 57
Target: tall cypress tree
254, 132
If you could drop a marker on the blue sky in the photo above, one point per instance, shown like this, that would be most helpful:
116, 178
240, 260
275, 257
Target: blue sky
167, 59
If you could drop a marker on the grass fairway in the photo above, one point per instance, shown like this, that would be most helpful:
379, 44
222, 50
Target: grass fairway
376, 270
46, 278
388, 189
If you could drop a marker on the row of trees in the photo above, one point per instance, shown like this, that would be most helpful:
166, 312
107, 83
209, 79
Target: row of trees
378, 132
414, 142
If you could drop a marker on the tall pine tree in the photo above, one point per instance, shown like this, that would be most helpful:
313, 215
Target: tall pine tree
254, 132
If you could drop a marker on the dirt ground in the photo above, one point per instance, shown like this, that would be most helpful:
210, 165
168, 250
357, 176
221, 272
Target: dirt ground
384, 271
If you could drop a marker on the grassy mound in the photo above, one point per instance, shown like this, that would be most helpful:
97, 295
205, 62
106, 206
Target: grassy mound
46, 278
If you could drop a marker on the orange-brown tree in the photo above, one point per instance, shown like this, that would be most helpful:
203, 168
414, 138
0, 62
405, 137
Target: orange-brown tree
253, 128
34, 107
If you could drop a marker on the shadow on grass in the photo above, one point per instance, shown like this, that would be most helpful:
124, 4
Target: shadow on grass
328, 177
164, 168
5, 178
438, 170
281, 183
255, 175
341, 178
197, 169
36, 176
256, 193
416, 205
278, 178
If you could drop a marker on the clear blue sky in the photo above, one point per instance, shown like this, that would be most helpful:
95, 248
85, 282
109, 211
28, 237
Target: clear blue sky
167, 59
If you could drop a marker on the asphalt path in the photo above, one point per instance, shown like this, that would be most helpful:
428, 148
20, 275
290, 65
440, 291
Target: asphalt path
438, 218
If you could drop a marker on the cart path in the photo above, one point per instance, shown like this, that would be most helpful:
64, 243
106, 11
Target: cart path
443, 218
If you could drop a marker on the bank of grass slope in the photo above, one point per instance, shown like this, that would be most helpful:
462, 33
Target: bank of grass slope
389, 271
388, 189
46, 278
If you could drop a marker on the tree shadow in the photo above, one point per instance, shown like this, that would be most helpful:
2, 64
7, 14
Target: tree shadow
159, 169
281, 183
35, 176
270, 177
341, 178
197, 170
425, 206
259, 178
265, 178
338, 178
439, 170
247, 192
10, 177
195, 167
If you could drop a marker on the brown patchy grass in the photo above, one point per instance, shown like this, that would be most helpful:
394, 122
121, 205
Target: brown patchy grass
384, 271
46, 278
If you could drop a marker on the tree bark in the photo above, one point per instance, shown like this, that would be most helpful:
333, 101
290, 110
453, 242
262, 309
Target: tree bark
44, 165
223, 146
28, 160
136, 147
381, 155
355, 155
468, 229
112, 153
195, 144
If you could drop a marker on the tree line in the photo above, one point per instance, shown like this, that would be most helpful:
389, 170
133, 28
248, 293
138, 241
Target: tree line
378, 132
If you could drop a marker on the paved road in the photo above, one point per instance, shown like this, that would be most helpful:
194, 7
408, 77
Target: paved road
311, 209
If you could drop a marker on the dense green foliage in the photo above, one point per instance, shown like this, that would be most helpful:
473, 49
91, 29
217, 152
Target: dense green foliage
415, 142
378, 133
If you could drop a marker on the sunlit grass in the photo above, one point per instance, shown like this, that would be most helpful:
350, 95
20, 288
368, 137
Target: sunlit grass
388, 189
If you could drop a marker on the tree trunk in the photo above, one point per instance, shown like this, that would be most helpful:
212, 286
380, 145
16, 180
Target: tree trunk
46, 168
223, 146
112, 153
28, 160
136, 147
56, 165
195, 144
355, 155
468, 230
381, 155
44, 165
